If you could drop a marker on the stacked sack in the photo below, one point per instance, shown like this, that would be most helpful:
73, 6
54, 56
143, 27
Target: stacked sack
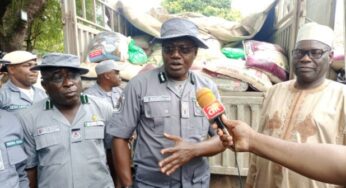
116, 46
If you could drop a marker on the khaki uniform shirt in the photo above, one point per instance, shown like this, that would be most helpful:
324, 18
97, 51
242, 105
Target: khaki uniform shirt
305, 116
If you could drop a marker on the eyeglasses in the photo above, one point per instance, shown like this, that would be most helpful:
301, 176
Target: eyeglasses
313, 53
59, 78
181, 49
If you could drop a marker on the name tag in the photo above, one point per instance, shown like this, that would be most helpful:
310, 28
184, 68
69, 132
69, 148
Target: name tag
13, 143
47, 130
16, 107
157, 98
94, 124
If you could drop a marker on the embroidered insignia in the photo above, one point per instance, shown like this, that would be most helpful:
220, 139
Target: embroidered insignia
306, 128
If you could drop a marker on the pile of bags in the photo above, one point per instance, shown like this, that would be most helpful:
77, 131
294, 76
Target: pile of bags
256, 66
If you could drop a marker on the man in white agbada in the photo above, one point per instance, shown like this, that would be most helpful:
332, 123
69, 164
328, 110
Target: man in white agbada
308, 109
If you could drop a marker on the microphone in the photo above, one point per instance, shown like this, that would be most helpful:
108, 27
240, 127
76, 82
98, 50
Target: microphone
212, 108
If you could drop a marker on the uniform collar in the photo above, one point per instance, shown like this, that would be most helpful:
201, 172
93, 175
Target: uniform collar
14, 87
83, 98
163, 78
190, 83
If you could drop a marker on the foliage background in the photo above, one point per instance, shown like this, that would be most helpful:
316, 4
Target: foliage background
221, 8
46, 32
43, 30
31, 25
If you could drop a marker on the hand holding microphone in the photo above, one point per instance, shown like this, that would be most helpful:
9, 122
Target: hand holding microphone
212, 108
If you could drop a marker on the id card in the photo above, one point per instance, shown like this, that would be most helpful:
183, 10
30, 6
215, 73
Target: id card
185, 111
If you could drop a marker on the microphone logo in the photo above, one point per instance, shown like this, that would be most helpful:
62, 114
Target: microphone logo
213, 110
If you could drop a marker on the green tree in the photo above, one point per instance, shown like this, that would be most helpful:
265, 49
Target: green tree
41, 29
221, 8
15, 19
46, 31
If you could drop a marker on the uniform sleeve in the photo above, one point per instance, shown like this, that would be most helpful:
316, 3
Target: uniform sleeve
2, 93
124, 121
18, 153
251, 176
20, 167
213, 88
108, 111
29, 141
23, 179
216, 92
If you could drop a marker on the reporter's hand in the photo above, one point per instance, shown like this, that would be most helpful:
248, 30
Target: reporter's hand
241, 135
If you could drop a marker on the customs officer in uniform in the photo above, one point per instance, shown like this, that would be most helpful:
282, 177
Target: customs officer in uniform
64, 135
172, 132
108, 82
107, 88
12, 155
18, 92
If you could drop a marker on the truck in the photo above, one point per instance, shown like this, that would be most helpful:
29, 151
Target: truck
280, 27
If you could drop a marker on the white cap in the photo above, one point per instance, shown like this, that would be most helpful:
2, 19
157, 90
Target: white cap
18, 57
108, 65
317, 32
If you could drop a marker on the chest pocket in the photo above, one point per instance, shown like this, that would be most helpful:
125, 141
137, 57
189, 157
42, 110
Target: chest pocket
50, 150
199, 124
157, 109
15, 154
93, 144
94, 130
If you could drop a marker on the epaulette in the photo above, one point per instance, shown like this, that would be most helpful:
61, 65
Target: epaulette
84, 99
162, 77
49, 105
193, 79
